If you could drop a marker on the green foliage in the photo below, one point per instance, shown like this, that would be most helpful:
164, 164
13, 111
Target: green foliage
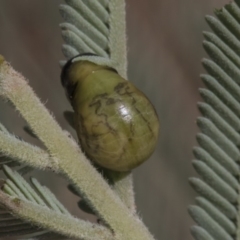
16, 186
86, 23
31, 210
85, 29
95, 27
218, 156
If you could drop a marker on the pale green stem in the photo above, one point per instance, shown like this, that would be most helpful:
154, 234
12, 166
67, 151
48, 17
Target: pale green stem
117, 36
78, 41
26, 153
123, 186
44, 217
72, 161
118, 55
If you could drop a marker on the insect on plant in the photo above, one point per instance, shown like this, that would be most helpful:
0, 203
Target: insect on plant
116, 124
117, 128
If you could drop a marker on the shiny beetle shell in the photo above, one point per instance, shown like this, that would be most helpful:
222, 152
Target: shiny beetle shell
116, 124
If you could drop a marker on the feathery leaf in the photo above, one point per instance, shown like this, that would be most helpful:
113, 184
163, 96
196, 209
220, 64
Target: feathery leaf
218, 156
99, 27
95, 27
17, 186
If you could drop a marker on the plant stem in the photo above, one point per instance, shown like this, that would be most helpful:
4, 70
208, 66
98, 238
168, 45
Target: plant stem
72, 162
57, 222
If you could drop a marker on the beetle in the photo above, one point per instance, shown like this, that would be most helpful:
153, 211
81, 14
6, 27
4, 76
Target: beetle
116, 124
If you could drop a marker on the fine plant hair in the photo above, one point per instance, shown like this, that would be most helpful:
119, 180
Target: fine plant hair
29, 210
217, 157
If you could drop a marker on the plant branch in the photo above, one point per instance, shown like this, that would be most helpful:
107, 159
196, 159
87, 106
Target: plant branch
72, 162
60, 223
97, 14
117, 36
118, 54
26, 153
123, 186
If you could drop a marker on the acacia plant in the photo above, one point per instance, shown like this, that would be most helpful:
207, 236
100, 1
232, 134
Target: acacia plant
31, 211
217, 156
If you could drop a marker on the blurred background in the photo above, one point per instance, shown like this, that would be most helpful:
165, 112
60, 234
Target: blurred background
164, 51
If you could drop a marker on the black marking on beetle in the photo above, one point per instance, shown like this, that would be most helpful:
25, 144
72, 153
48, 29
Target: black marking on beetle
122, 86
92, 139
123, 89
123, 94
111, 101
98, 105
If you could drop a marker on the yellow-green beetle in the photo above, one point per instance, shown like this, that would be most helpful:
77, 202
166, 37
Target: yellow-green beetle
117, 125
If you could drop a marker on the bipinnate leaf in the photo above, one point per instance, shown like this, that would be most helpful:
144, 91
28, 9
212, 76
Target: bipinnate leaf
17, 188
10, 160
218, 155
85, 29
98, 27
64, 156
32, 210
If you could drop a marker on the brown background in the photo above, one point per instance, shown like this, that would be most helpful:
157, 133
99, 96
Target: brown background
164, 61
